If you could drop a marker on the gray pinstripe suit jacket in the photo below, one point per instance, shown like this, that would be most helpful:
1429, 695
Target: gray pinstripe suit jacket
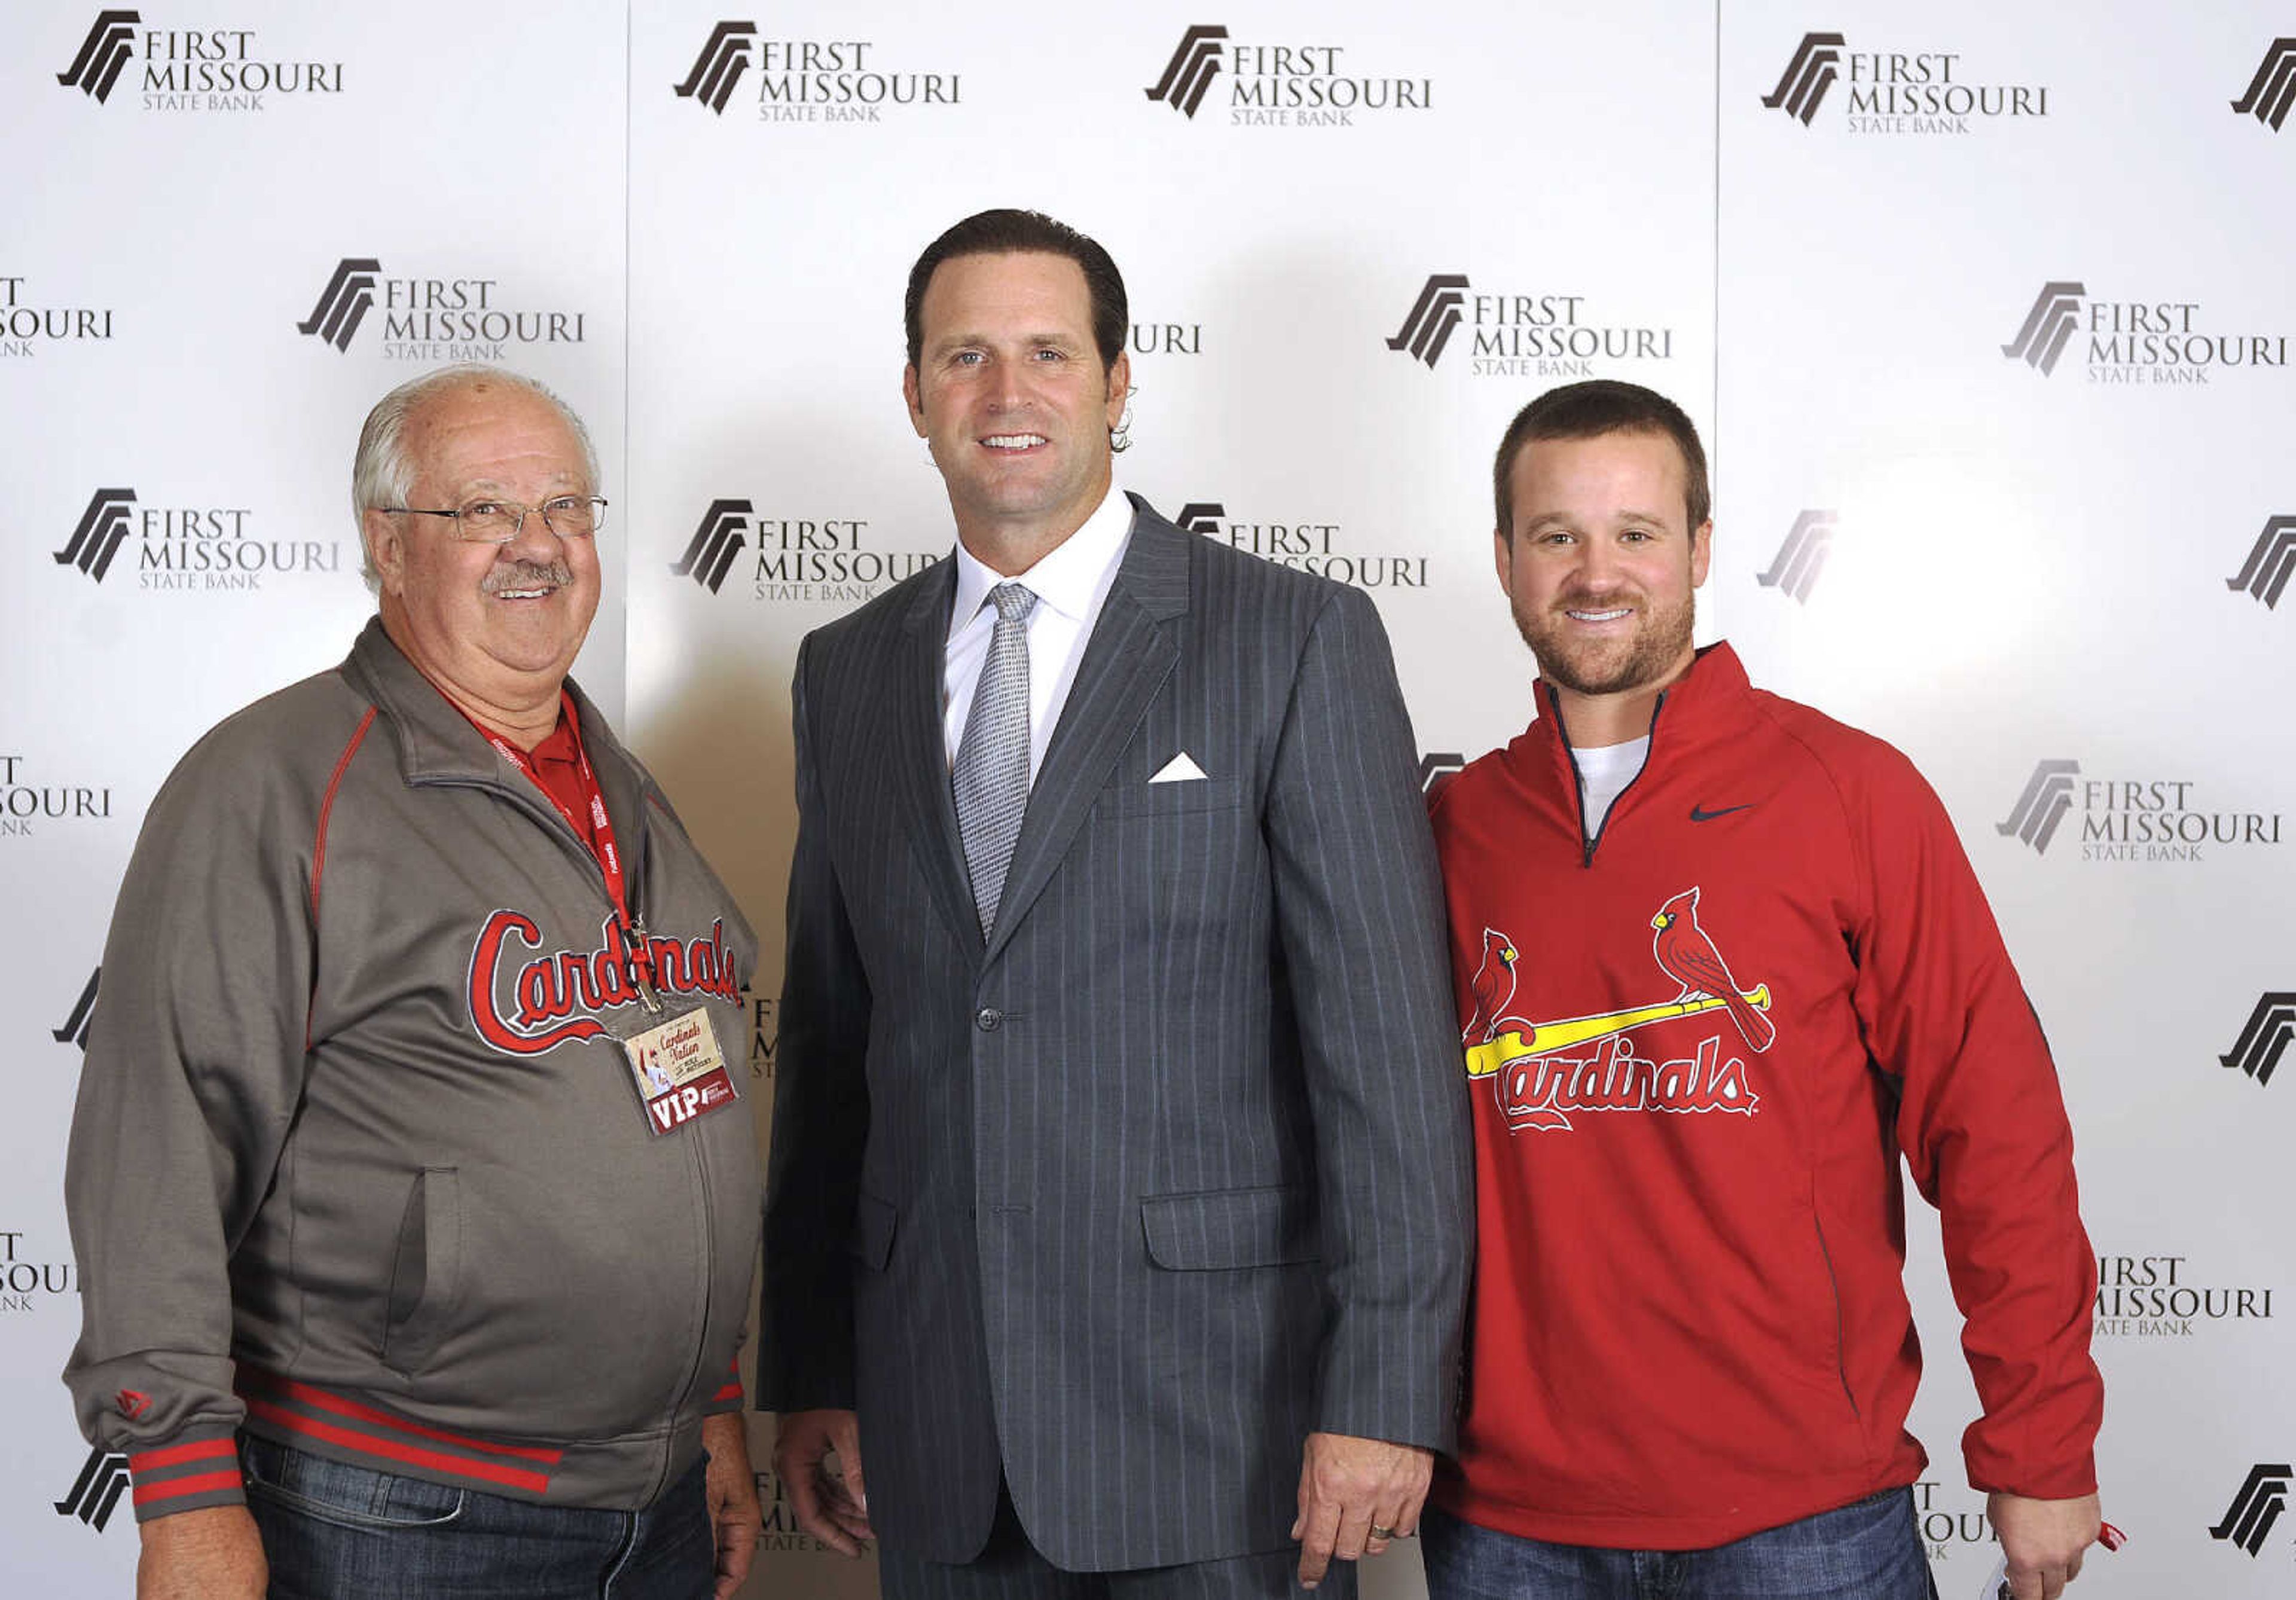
1175, 1167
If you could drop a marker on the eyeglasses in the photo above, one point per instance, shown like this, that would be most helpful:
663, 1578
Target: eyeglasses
499, 521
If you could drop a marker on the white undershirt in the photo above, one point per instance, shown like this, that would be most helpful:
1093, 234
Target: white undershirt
1603, 773
1071, 584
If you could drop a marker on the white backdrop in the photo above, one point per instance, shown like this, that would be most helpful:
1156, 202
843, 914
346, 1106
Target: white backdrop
1824, 230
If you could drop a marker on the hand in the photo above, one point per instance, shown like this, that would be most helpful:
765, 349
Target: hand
831, 1507
214, 1553
731, 1489
1347, 1485
2043, 1540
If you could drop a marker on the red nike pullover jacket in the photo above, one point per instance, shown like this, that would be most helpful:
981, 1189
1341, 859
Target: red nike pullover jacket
1696, 1044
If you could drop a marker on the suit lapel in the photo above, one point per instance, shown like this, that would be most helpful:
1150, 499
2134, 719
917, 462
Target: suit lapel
921, 752
1131, 653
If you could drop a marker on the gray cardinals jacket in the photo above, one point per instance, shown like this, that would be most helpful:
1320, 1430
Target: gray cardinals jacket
358, 1163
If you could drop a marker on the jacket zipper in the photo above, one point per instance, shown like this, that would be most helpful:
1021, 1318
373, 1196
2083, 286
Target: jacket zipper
553, 822
687, 1397
1588, 845
550, 819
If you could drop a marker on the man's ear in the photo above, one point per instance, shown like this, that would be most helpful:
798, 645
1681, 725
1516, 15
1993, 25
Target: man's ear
1119, 388
386, 548
913, 399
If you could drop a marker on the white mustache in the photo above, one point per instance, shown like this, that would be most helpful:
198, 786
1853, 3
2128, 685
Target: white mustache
527, 575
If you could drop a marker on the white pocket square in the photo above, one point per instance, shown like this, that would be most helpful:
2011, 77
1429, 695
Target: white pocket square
1179, 769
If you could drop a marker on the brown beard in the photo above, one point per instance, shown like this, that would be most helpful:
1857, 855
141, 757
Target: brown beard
1661, 640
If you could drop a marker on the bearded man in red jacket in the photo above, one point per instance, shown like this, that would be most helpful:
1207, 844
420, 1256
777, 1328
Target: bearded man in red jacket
1720, 960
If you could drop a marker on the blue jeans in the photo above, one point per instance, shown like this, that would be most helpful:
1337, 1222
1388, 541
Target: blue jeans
331, 1530
1868, 1550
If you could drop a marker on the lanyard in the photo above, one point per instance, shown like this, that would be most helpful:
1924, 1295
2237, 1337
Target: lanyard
636, 950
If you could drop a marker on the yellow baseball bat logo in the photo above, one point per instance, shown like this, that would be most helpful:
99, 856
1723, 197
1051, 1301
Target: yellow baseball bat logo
1546, 1037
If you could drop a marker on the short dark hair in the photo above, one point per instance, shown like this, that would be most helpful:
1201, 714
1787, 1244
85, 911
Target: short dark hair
1589, 410
1008, 232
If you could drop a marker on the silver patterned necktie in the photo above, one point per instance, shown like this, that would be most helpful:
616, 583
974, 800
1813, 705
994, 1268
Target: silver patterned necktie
991, 774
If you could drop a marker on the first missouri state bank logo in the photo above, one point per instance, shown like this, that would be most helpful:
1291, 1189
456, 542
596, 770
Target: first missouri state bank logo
710, 553
2048, 795
1920, 91
434, 317
807, 80
2126, 819
203, 69
2270, 560
719, 66
2263, 1496
2263, 1039
1795, 568
108, 47
1549, 334
183, 548
1191, 71
102, 1480
807, 559
1433, 318
1320, 547
344, 302
2157, 341
1539, 1075
1807, 76
2274, 88
103, 527
2048, 326
1290, 85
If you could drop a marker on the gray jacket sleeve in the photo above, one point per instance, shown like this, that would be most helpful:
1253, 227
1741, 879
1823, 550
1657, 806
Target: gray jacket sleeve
194, 1064
1359, 916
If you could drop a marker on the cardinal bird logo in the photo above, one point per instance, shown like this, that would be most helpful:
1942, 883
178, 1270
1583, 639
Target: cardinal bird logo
1686, 954
1493, 987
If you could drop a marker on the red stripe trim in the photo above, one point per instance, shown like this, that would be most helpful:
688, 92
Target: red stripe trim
327, 806
732, 1391
322, 1400
205, 1449
453, 1466
174, 1487
319, 847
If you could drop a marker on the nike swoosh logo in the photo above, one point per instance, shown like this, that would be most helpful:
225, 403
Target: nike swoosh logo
1699, 814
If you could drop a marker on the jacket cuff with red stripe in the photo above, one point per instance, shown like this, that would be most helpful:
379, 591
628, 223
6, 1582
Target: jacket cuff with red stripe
729, 1396
197, 1469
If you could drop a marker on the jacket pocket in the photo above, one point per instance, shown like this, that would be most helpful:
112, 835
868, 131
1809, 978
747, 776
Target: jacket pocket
1219, 1230
872, 1243
1169, 799
426, 1272
1840, 1330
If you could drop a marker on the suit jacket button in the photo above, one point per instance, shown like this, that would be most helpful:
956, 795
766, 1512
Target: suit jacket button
988, 1019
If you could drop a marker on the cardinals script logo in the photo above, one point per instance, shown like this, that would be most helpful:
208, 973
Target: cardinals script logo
1541, 1072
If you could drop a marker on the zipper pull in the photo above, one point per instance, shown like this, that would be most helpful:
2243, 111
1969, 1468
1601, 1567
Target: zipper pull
641, 959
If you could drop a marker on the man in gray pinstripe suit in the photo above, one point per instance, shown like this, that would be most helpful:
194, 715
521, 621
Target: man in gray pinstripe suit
1119, 1215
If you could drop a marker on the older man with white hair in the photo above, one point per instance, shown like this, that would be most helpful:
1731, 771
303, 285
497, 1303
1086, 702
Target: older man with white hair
414, 1231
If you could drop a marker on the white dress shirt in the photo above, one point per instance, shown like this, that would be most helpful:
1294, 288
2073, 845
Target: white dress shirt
1071, 586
